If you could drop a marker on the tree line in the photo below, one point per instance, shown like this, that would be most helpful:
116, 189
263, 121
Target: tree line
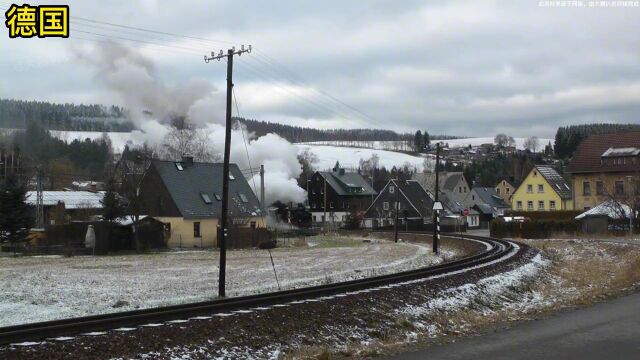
17, 114
569, 137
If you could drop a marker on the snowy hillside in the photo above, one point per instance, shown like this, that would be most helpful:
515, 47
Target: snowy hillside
489, 140
404, 146
349, 157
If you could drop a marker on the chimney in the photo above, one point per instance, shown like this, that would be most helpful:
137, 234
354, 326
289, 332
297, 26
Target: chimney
187, 160
341, 171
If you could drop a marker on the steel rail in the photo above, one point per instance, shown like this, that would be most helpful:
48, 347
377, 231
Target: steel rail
72, 326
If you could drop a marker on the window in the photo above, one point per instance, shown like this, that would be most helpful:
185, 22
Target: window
196, 229
473, 197
619, 187
519, 205
599, 188
540, 188
331, 205
392, 189
498, 191
385, 205
586, 188
459, 189
217, 196
344, 205
205, 198
321, 190
552, 205
529, 205
540, 205
243, 198
529, 188
179, 166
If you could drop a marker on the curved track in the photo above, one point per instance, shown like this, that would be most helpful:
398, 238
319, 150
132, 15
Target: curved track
496, 250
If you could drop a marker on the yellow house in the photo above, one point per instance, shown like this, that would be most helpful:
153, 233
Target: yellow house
543, 190
186, 195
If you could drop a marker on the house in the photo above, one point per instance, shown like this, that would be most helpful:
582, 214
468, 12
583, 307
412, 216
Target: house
604, 167
543, 190
337, 194
415, 205
505, 189
455, 182
608, 216
453, 211
60, 207
487, 202
187, 196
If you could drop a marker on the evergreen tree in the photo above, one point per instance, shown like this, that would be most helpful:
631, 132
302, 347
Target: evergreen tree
112, 205
426, 139
15, 214
417, 141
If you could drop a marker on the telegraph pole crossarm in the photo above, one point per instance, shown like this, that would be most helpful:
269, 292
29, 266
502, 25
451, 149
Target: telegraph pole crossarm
222, 230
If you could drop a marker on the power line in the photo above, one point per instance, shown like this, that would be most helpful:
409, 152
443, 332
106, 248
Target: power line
263, 61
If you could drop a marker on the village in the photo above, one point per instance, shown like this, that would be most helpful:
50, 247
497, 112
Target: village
319, 181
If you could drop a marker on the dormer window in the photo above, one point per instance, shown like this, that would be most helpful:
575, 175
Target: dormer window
392, 189
205, 198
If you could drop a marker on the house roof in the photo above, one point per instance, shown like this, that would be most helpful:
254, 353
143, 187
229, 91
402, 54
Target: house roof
610, 208
587, 157
489, 196
347, 183
451, 205
71, 199
555, 180
412, 191
448, 180
197, 182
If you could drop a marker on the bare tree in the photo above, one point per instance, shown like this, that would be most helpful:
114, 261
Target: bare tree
187, 141
501, 140
624, 203
531, 143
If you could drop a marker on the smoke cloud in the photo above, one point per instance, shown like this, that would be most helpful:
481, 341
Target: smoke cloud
154, 106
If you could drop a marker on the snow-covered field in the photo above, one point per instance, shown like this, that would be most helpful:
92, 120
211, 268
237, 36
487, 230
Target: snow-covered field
403, 146
349, 157
489, 140
45, 288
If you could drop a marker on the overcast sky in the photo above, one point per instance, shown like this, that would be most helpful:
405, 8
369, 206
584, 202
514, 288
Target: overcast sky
471, 68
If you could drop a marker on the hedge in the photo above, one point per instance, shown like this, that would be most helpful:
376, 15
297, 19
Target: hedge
533, 228
564, 215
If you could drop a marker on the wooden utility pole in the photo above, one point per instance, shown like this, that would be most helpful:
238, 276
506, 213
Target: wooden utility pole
397, 206
436, 215
222, 225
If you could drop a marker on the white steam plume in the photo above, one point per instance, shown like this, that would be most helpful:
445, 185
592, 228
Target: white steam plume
154, 105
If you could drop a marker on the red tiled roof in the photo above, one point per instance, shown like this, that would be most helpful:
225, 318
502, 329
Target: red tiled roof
588, 154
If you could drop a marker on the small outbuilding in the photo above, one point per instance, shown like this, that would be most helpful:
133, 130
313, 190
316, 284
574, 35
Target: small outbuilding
608, 216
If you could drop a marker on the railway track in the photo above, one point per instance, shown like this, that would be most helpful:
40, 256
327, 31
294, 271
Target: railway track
496, 251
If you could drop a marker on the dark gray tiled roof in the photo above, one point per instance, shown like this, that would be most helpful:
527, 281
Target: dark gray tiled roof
187, 186
451, 205
348, 183
489, 196
447, 180
557, 182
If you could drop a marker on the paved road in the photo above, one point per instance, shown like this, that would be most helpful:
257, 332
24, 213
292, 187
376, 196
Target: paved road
605, 331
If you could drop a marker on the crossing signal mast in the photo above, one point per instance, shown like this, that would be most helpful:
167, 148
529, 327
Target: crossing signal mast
222, 230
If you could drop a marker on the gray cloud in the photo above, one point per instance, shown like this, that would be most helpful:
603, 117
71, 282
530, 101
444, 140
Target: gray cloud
463, 67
